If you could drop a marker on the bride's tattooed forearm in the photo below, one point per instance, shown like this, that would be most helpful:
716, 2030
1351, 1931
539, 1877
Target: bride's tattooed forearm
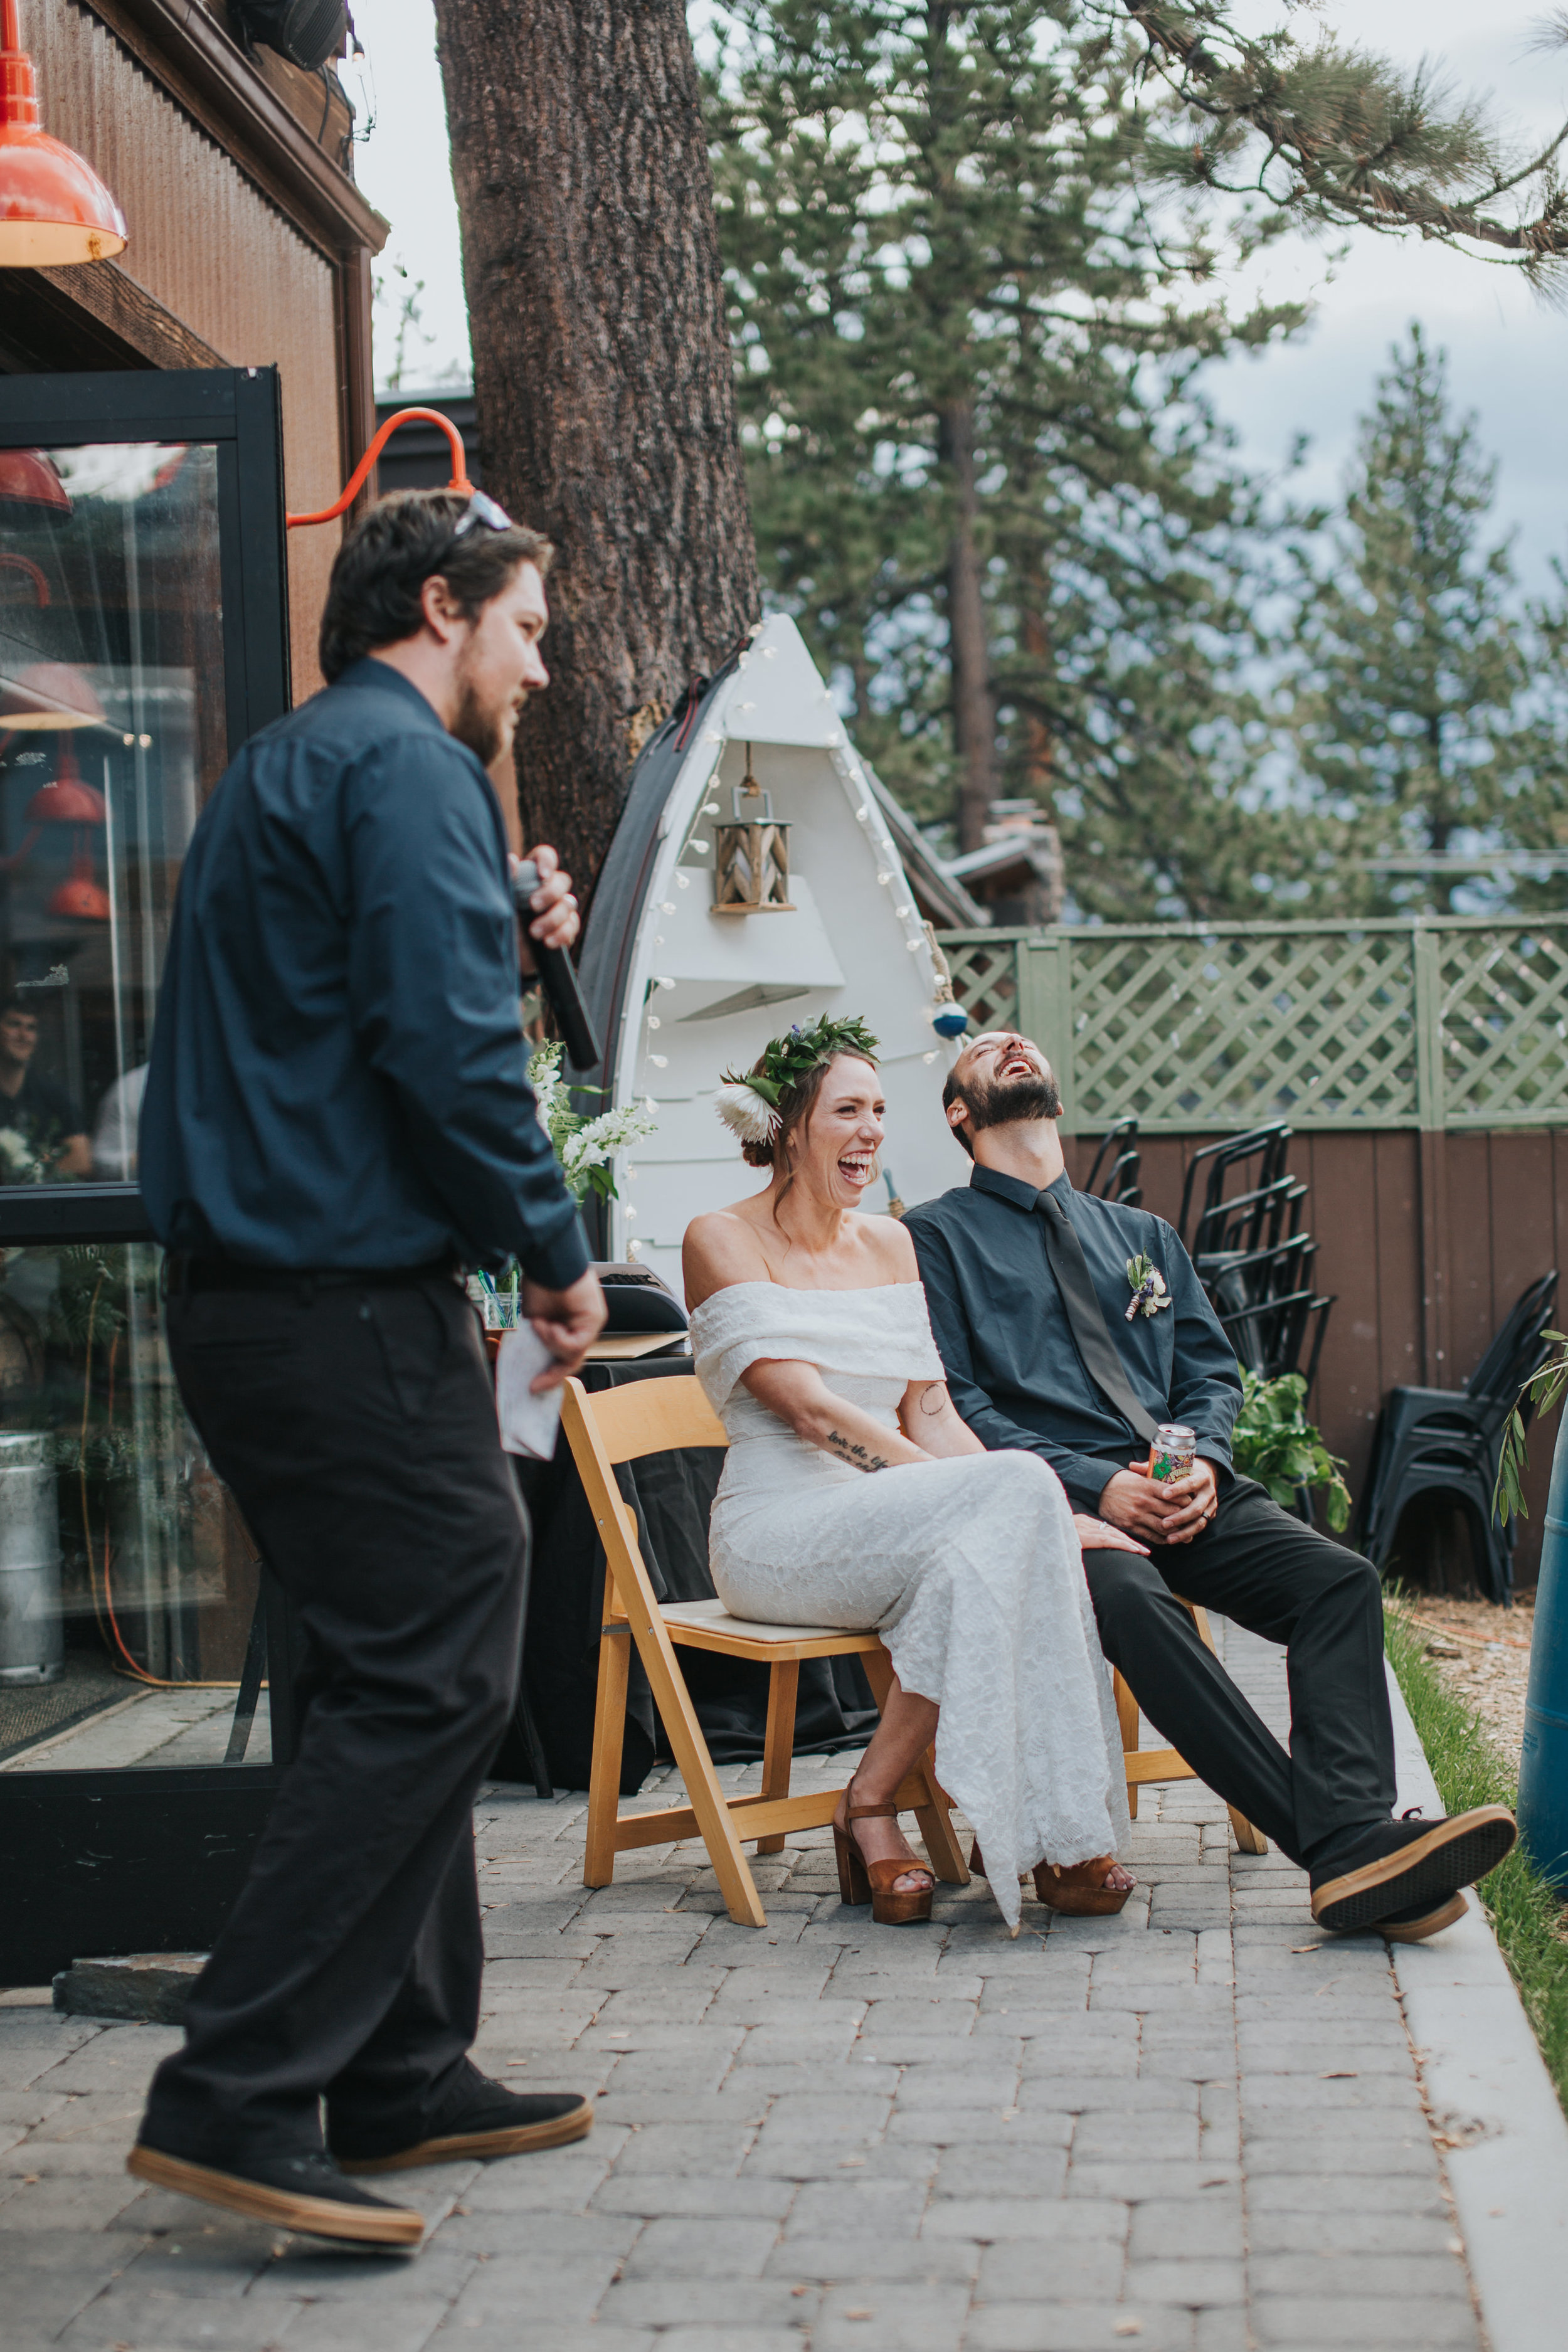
860, 1457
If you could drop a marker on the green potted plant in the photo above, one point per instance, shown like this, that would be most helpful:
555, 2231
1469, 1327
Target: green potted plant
1274, 1443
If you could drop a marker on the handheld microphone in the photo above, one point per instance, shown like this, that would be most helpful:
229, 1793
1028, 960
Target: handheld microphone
557, 977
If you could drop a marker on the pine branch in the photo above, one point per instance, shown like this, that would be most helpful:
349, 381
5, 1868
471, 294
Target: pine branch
1359, 142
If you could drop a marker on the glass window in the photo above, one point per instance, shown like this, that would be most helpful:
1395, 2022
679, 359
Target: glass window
111, 733
128, 1582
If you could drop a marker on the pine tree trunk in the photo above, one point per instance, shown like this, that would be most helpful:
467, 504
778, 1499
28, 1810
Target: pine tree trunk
602, 369
969, 650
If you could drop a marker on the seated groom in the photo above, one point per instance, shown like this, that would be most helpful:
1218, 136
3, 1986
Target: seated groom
1032, 1295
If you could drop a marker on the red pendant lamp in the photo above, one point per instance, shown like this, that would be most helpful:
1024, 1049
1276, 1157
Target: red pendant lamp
31, 490
54, 209
68, 800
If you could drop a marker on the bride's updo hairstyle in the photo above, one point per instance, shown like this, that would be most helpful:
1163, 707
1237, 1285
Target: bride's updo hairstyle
775, 1095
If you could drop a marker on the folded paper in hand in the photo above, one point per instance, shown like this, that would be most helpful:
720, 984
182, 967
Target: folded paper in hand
528, 1423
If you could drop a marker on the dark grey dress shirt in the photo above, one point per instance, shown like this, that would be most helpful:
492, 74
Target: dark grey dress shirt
1002, 1335
338, 1077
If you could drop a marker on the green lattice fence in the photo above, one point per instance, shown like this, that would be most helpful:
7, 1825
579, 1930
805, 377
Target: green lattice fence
1428, 1022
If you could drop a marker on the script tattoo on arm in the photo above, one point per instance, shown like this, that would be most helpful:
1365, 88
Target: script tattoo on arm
860, 1457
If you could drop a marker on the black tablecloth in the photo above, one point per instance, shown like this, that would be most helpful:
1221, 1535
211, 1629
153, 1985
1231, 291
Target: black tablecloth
672, 1494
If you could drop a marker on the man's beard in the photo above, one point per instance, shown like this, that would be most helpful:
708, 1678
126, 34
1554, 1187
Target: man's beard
1018, 1100
482, 726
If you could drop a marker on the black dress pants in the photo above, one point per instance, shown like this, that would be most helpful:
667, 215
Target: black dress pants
356, 1428
1256, 1564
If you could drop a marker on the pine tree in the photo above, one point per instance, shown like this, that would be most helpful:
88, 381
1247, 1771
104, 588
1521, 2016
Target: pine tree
977, 472
603, 373
1410, 659
1338, 135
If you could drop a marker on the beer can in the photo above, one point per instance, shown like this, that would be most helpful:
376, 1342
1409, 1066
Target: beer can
1174, 1451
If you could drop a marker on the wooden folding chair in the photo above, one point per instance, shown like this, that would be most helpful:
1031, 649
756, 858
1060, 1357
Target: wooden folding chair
657, 1417
1146, 1764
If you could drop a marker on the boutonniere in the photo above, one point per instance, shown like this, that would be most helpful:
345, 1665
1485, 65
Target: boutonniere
1148, 1286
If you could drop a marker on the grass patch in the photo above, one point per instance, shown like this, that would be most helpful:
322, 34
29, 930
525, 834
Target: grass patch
1527, 1916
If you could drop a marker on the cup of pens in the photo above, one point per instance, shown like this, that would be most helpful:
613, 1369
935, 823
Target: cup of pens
501, 1309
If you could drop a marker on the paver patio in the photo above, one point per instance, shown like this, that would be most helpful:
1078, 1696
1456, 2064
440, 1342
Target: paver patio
1198, 2128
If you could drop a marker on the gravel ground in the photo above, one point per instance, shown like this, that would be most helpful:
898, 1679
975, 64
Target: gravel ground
1482, 1653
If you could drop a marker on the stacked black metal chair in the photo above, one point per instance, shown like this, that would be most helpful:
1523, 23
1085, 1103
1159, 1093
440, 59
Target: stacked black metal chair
1120, 1159
1449, 1441
1251, 1253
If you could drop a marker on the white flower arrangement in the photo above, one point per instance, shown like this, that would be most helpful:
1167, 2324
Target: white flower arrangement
21, 1162
584, 1146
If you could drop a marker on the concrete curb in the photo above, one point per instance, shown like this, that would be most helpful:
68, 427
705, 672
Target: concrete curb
1489, 2089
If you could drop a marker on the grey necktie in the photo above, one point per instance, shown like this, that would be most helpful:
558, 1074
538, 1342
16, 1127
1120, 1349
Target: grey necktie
1086, 1316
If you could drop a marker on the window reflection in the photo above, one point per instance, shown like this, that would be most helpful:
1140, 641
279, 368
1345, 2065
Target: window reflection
127, 1583
111, 732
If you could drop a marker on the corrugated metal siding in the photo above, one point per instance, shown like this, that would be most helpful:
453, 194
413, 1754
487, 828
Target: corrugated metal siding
215, 252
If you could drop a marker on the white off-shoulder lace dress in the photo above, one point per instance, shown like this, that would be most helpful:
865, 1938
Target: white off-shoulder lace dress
969, 1567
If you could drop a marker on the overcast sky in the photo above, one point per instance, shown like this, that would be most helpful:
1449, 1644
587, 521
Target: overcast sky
1506, 349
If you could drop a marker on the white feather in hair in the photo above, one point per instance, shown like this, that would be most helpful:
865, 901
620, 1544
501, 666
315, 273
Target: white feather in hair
746, 1112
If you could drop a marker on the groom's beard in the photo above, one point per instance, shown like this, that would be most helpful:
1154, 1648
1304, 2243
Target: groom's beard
1021, 1098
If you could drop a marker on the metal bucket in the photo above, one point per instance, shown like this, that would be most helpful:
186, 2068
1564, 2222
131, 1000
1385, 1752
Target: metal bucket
32, 1635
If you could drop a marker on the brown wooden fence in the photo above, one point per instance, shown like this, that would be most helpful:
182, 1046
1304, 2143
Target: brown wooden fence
1427, 1239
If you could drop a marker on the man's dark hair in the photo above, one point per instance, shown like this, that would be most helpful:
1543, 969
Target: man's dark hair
952, 1092
372, 598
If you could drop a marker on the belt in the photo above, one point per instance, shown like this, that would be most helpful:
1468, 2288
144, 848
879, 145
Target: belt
186, 1272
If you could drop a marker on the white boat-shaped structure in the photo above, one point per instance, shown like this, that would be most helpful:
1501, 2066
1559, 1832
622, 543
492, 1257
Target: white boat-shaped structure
680, 993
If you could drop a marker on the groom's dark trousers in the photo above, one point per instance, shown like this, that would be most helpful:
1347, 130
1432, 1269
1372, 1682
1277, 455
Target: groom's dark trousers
1266, 1570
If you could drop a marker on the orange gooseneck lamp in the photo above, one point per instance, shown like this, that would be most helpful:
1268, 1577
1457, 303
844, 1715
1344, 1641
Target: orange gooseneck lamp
459, 481
54, 209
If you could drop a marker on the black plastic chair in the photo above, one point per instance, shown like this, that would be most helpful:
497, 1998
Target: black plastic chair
1449, 1441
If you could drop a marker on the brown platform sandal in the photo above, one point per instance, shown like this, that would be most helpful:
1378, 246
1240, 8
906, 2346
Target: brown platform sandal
860, 1881
1079, 1890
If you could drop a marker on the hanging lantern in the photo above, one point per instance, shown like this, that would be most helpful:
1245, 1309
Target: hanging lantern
750, 854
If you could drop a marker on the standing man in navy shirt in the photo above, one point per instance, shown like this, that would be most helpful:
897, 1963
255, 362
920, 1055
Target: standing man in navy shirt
1053, 1342
337, 1122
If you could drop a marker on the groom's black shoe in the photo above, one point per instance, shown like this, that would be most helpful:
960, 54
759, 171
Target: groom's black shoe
1412, 1866
1422, 1919
306, 2192
481, 2119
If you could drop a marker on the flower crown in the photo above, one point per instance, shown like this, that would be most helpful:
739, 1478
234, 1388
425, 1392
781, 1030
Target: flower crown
748, 1101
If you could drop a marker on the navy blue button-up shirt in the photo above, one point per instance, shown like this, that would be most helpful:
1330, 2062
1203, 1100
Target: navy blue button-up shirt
1001, 1330
338, 1078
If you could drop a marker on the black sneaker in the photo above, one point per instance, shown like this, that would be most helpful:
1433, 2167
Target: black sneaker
1422, 1919
1413, 1866
307, 2193
484, 2119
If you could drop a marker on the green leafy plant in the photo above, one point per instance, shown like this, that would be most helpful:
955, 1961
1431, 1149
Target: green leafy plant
1274, 1443
1545, 1387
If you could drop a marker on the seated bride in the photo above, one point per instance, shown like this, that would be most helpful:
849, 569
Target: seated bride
812, 1343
